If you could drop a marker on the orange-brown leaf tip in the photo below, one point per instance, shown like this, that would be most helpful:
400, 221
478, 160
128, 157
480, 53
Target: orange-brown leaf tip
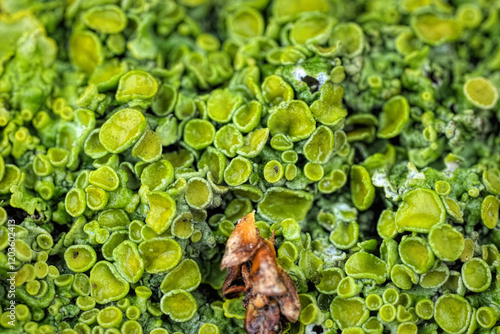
242, 243
264, 274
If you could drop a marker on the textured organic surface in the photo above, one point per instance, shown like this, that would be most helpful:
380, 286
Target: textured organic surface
363, 135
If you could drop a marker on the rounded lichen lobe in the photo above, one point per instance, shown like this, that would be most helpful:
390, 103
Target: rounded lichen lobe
481, 93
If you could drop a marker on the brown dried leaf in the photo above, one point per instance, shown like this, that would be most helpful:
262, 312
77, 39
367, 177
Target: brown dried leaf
269, 292
234, 291
263, 320
236, 282
264, 275
289, 303
242, 243
229, 290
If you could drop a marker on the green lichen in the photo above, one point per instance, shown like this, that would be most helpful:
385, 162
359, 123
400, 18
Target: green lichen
135, 134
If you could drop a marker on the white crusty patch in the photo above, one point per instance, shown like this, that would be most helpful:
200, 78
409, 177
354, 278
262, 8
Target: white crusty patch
299, 73
379, 179
322, 77
334, 254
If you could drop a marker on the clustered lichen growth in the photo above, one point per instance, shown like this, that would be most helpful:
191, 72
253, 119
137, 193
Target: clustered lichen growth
135, 133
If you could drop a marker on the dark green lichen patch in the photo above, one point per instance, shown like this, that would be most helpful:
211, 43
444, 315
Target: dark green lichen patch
364, 135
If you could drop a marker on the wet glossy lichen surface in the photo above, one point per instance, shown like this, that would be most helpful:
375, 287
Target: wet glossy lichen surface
362, 137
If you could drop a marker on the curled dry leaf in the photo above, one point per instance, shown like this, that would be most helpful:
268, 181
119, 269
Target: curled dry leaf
264, 275
270, 294
242, 243
230, 288
289, 303
265, 319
